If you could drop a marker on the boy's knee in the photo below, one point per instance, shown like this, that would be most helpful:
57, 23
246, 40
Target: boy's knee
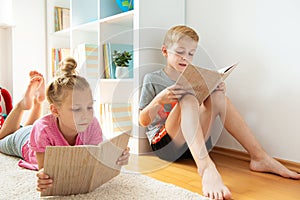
218, 99
189, 99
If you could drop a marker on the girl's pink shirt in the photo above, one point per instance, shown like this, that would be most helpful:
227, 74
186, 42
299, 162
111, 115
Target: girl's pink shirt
45, 133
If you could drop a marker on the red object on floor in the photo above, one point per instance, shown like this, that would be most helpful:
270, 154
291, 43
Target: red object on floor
8, 104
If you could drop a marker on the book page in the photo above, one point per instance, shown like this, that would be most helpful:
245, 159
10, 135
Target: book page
227, 70
81, 169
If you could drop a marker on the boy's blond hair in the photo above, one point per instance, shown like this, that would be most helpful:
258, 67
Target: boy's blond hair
175, 33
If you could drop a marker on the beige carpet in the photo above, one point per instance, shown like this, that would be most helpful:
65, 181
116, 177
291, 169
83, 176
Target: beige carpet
18, 183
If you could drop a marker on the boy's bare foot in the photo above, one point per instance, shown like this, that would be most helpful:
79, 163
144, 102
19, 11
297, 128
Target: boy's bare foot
212, 184
270, 165
33, 89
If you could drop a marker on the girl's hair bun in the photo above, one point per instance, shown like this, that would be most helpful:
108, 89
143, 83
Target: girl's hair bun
67, 66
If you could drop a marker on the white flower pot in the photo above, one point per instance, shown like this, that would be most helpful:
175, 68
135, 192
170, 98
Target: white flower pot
122, 72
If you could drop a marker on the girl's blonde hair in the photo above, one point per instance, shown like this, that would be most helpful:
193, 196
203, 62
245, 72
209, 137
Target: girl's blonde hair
175, 33
68, 80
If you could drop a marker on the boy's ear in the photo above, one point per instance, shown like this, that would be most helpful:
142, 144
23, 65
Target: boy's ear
164, 50
54, 110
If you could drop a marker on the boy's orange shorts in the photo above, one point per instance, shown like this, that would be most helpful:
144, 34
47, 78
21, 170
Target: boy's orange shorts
166, 108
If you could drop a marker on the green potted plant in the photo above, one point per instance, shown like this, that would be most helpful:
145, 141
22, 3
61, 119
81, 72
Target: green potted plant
121, 60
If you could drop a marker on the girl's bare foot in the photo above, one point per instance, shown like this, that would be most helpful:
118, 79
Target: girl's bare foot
34, 88
212, 184
270, 165
40, 90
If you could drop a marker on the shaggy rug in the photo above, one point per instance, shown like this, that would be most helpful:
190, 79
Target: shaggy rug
18, 183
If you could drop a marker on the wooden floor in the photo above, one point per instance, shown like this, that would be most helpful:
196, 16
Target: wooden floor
243, 183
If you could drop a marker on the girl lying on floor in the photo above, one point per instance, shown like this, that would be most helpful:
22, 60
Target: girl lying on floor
71, 121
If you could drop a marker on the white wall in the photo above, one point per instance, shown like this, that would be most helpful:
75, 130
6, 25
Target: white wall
6, 21
29, 42
5, 58
263, 35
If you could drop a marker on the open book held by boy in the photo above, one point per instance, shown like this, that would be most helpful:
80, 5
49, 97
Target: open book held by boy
201, 82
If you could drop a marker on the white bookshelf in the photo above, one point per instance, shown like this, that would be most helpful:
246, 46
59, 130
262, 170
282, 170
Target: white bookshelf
101, 21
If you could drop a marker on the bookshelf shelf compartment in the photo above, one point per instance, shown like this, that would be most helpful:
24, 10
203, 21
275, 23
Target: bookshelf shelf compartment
84, 12
92, 26
124, 19
114, 90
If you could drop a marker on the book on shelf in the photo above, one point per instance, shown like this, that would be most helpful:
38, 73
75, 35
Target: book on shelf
201, 82
107, 70
87, 57
61, 18
83, 168
65, 18
57, 11
115, 118
58, 54
109, 65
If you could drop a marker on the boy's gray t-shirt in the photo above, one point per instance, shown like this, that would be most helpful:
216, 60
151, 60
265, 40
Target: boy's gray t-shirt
153, 84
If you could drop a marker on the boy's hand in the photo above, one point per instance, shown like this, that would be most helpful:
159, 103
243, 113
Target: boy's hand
44, 181
171, 94
221, 87
123, 159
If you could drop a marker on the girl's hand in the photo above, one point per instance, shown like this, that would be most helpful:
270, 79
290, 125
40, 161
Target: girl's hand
171, 94
123, 159
44, 181
221, 87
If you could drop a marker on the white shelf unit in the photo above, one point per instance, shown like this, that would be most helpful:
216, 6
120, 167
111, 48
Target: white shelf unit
101, 21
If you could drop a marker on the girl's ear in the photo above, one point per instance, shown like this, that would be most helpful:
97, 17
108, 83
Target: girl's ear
54, 110
164, 50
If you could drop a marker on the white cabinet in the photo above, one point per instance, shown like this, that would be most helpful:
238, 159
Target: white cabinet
101, 21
